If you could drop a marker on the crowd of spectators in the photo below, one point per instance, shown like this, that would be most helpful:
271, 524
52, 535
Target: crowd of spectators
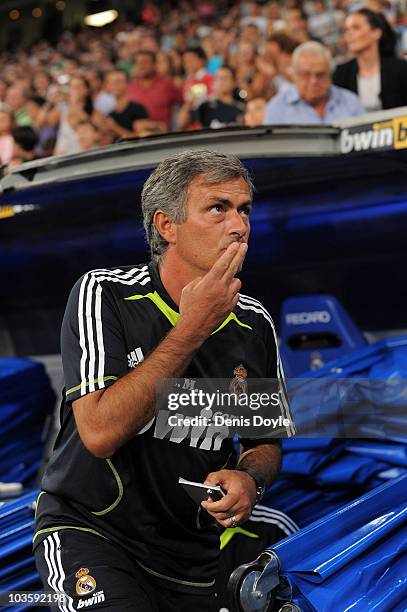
203, 64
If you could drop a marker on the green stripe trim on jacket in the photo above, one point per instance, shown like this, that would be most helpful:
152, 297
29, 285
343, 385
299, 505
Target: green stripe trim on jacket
231, 317
37, 501
173, 316
60, 527
229, 532
204, 585
120, 494
97, 380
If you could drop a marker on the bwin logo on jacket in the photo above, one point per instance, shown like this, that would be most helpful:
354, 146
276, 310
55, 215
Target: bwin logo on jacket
135, 357
96, 598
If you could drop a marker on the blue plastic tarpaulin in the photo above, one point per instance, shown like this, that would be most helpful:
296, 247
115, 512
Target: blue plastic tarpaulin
17, 566
354, 558
26, 402
363, 394
392, 453
311, 484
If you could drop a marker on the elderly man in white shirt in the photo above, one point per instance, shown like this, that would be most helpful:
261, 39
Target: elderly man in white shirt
312, 99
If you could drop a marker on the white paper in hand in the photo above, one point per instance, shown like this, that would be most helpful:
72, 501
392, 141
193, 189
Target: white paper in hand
199, 491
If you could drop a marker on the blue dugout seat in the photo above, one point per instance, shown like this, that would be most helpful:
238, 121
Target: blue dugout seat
315, 330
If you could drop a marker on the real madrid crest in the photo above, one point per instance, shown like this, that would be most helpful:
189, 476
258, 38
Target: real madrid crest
85, 584
238, 384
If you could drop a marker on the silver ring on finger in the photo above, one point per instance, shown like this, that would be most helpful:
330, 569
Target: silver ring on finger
233, 521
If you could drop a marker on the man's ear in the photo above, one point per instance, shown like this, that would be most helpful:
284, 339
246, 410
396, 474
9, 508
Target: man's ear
165, 226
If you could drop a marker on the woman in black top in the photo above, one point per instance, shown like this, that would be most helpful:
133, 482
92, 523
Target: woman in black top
375, 73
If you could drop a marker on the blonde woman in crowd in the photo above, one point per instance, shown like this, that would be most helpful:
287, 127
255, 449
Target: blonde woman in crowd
78, 108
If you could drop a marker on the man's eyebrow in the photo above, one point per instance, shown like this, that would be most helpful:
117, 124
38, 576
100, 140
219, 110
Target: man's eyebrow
228, 202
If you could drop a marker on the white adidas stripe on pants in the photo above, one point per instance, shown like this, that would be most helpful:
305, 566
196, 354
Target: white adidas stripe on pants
56, 574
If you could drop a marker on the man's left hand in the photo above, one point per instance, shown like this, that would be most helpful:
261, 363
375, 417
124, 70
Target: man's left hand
236, 506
